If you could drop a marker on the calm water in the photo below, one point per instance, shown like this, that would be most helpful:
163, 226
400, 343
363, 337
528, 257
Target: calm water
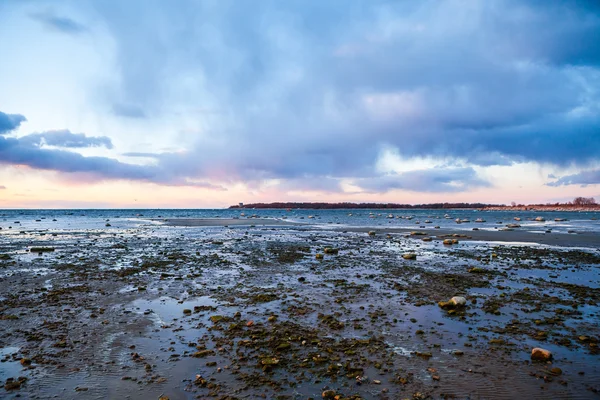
413, 219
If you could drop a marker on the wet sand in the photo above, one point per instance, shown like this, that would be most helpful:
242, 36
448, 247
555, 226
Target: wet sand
293, 312
226, 222
518, 235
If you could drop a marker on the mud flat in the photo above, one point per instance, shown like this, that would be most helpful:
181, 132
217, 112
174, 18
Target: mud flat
226, 222
294, 313
517, 235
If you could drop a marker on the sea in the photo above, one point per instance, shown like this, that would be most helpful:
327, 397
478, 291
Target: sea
81, 219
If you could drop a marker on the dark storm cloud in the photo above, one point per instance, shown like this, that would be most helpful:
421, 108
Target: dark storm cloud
60, 23
64, 138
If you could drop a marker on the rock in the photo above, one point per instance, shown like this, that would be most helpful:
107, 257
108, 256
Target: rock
540, 219
427, 239
556, 371
328, 394
203, 353
187, 311
41, 249
539, 354
447, 242
319, 256
372, 233
458, 301
216, 318
330, 250
409, 256
455, 302
269, 361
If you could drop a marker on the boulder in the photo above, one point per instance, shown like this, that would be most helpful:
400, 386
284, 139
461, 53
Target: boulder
539, 354
454, 302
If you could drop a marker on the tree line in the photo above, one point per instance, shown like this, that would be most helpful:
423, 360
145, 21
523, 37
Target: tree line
330, 206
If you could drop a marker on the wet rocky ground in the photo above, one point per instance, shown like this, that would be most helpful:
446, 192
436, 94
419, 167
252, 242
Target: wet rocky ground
292, 313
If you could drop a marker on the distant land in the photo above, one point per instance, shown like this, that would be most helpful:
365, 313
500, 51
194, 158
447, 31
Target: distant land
578, 204
331, 206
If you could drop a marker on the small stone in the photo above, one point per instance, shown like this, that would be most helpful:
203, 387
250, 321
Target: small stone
539, 354
328, 394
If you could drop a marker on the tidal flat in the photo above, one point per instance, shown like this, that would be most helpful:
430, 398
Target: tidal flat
294, 312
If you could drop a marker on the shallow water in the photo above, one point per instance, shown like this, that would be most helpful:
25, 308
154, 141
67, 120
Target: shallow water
113, 292
40, 220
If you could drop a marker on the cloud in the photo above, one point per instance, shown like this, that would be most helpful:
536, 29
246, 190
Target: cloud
488, 83
9, 122
59, 23
29, 151
128, 110
448, 180
308, 93
141, 155
2, 187
584, 178
64, 138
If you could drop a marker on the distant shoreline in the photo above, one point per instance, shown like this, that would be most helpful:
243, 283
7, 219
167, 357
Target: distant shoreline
433, 206
368, 206
545, 208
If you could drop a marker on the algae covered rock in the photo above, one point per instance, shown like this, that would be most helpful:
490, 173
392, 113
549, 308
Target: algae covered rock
454, 302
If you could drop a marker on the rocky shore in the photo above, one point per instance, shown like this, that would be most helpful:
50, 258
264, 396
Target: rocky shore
294, 312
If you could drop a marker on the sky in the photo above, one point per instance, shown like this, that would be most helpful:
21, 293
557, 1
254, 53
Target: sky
149, 103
